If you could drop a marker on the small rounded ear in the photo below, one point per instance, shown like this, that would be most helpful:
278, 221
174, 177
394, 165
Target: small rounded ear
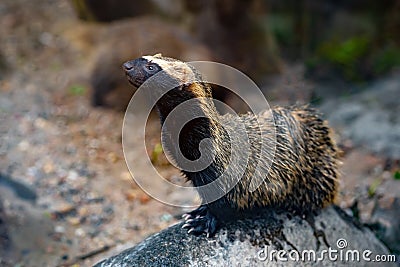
157, 55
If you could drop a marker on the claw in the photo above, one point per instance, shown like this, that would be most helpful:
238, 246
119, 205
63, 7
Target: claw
200, 221
186, 225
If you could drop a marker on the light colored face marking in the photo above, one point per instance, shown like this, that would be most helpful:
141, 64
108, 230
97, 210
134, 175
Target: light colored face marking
176, 69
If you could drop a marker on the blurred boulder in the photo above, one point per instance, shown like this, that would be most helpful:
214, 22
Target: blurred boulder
236, 31
120, 41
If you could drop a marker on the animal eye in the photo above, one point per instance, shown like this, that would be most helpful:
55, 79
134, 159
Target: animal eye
150, 67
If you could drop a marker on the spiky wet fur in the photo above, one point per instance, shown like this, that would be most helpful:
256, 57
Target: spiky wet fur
302, 177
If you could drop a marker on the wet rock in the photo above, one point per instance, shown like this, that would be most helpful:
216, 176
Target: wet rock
251, 242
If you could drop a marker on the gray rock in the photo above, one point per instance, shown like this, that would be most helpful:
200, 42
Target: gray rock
369, 118
250, 242
385, 222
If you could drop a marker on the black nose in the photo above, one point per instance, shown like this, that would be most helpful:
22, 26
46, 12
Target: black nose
128, 65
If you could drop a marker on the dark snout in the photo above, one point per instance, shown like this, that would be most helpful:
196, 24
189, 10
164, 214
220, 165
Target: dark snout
128, 65
134, 72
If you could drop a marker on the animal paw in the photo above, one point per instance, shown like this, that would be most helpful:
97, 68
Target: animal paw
200, 221
200, 211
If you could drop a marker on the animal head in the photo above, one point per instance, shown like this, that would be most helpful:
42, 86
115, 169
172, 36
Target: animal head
166, 72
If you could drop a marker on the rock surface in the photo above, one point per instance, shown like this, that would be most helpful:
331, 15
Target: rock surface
370, 117
251, 242
385, 222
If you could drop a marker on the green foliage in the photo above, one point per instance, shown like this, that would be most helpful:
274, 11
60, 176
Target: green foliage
396, 175
386, 59
372, 188
345, 56
77, 90
356, 58
156, 153
281, 27
346, 53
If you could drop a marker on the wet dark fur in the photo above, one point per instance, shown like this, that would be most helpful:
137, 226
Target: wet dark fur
304, 172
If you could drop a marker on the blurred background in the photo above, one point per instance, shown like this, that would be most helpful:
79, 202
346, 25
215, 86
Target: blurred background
66, 195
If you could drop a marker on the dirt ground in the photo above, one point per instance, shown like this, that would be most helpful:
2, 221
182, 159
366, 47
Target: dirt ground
70, 154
